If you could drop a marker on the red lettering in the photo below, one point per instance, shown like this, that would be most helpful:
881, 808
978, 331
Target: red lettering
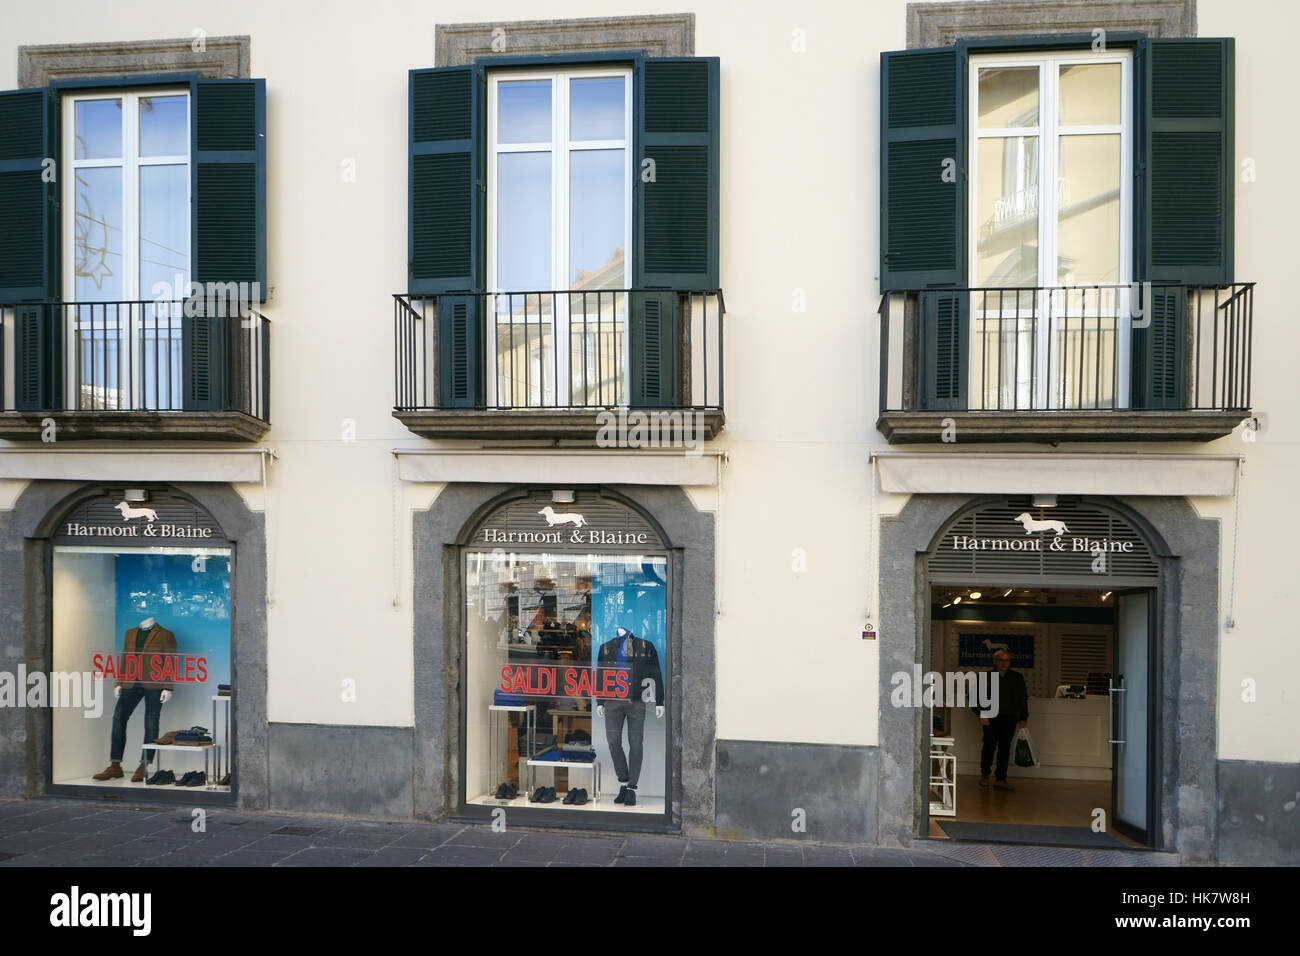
584, 684
505, 679
570, 682
621, 680
97, 662
520, 682
203, 669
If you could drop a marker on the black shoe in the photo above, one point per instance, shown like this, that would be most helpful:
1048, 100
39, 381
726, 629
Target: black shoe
580, 799
537, 795
630, 800
196, 778
570, 798
549, 795
501, 792
511, 791
161, 777
622, 794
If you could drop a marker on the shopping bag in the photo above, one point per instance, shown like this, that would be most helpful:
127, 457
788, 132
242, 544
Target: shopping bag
1025, 754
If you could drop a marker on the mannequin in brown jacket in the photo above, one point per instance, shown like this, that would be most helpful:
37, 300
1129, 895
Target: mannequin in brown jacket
144, 643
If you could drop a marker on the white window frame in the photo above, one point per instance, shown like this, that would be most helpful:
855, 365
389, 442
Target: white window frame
560, 146
130, 162
1048, 131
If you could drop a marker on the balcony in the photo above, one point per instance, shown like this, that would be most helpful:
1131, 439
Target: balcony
562, 365
1146, 362
144, 370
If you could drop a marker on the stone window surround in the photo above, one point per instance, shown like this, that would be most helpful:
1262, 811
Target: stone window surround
226, 57
942, 24
460, 44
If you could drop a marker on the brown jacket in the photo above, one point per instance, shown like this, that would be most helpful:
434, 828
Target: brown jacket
159, 641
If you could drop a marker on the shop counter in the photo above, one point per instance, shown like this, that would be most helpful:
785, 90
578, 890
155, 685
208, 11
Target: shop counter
1071, 737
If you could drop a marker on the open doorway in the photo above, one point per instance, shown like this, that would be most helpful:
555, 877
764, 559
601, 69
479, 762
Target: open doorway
1084, 659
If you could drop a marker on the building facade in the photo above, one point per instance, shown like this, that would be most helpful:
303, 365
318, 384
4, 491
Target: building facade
427, 411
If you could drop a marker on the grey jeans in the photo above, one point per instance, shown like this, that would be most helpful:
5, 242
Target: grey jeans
617, 713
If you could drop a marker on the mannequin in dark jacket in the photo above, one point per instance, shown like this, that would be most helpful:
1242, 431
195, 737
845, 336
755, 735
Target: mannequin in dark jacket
1013, 713
645, 682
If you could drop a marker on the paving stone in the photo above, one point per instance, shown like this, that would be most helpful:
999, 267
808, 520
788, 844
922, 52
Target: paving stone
880, 856
280, 844
35, 840
141, 849
782, 856
484, 836
706, 857
653, 861
360, 839
326, 856
464, 855
827, 856
394, 856
588, 851
428, 836
248, 858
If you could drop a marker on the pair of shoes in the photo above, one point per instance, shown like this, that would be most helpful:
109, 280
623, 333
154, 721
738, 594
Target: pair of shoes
622, 794
543, 795
111, 772
1003, 785
507, 791
139, 773
161, 777
576, 798
984, 780
195, 778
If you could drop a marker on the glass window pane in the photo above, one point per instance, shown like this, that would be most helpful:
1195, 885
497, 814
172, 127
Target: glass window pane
1090, 94
164, 126
564, 635
523, 226
524, 111
1088, 228
597, 219
1006, 221
98, 234
98, 129
596, 108
164, 230
1008, 96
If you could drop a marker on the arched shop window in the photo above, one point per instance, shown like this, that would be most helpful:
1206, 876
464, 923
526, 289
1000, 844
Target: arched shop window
141, 600
567, 658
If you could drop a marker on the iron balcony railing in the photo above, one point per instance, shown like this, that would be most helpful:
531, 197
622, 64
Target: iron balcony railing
569, 349
1143, 346
134, 356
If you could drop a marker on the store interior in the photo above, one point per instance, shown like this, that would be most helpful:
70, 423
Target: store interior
1062, 641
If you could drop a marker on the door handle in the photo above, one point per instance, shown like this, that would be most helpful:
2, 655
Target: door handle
1110, 732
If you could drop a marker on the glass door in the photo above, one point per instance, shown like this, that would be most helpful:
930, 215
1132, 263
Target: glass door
1131, 737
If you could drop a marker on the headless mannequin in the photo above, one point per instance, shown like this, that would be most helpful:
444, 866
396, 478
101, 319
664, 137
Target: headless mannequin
632, 712
115, 766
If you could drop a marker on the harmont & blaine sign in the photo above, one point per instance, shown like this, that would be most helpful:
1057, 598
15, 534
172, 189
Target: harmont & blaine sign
589, 522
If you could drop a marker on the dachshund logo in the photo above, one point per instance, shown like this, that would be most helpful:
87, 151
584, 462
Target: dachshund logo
1031, 524
128, 512
571, 517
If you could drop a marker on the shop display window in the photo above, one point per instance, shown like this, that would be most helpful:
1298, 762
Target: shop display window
150, 628
566, 691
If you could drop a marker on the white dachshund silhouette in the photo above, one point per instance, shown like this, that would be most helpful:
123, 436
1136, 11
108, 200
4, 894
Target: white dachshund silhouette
996, 647
552, 519
1032, 525
128, 512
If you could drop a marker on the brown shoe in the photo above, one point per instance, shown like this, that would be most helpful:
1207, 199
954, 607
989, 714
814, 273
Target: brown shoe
111, 773
138, 776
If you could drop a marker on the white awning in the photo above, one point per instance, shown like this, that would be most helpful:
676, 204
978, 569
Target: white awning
557, 467
1100, 474
80, 464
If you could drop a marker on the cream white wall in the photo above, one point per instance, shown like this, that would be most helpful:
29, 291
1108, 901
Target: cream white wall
799, 212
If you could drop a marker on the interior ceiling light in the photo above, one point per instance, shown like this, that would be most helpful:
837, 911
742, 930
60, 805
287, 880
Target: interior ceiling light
957, 599
949, 604
976, 595
1106, 595
1007, 592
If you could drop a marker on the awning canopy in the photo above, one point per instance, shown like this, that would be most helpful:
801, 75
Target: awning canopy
557, 467
1099, 474
80, 464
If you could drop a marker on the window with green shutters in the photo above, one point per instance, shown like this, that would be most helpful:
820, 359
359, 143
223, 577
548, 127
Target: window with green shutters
942, 164
566, 177
131, 191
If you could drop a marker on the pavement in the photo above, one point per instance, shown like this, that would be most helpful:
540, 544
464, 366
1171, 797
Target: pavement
59, 832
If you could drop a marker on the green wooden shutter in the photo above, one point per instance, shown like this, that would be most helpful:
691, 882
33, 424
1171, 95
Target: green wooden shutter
923, 209
1185, 160
228, 222
675, 213
922, 169
1159, 351
445, 227
29, 124
676, 173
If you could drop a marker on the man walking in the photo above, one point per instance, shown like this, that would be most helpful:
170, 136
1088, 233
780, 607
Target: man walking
1012, 714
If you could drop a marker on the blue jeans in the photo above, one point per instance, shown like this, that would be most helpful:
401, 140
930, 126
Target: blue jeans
126, 705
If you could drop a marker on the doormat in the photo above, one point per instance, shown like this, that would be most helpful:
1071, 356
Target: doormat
1024, 833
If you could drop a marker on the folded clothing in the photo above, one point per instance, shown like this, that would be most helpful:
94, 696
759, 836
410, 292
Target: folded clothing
502, 699
223, 687
567, 756
186, 737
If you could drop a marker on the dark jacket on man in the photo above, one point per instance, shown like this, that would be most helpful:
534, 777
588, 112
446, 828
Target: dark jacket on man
1013, 698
